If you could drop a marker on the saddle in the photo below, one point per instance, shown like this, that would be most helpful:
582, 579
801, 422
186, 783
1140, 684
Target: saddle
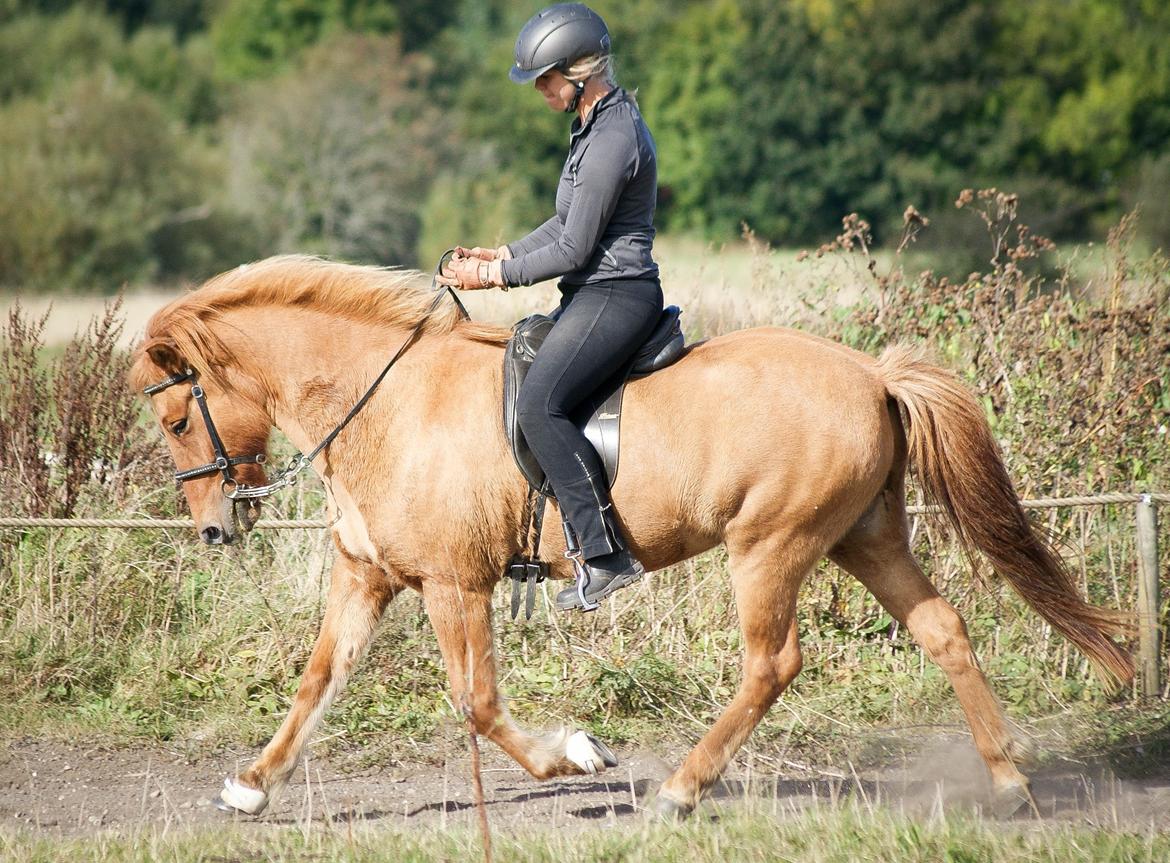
600, 416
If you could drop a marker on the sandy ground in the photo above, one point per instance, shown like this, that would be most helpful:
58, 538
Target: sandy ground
71, 790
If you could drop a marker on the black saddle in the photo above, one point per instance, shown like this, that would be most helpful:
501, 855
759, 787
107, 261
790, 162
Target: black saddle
600, 416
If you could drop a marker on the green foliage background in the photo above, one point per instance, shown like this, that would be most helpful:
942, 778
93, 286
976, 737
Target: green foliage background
154, 140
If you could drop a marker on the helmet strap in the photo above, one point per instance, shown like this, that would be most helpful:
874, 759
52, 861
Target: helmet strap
572, 106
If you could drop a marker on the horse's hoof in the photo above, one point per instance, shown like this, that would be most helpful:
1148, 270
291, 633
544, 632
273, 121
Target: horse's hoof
1010, 800
667, 809
218, 803
240, 798
589, 753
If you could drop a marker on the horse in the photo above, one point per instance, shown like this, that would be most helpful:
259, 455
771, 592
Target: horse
784, 446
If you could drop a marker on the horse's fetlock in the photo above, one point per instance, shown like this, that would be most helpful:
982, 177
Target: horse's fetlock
254, 778
484, 725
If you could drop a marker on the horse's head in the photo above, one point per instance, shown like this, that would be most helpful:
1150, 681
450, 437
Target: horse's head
216, 445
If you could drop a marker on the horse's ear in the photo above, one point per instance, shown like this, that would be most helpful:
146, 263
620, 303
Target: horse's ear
165, 354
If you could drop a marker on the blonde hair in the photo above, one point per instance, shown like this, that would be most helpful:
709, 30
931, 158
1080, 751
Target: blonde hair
595, 65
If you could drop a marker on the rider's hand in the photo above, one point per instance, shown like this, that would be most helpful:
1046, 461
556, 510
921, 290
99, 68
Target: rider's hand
470, 273
482, 253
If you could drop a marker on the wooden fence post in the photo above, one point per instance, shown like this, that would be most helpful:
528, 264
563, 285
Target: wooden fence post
1149, 600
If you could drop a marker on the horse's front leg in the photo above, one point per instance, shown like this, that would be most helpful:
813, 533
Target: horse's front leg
462, 620
358, 596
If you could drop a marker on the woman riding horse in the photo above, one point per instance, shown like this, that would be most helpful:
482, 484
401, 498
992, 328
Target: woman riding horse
600, 244
816, 467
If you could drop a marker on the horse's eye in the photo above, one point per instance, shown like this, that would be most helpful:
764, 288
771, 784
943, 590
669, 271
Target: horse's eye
179, 427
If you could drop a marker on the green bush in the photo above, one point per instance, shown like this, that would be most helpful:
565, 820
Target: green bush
41, 53
88, 179
257, 38
472, 205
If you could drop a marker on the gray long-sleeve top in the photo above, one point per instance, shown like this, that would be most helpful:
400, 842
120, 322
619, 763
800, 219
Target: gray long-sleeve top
604, 225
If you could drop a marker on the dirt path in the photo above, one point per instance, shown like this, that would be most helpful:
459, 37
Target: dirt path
67, 789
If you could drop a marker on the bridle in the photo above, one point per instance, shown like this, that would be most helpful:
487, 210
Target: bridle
232, 488
223, 462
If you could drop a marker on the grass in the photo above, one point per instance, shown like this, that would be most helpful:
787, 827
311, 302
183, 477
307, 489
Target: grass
724, 286
150, 636
719, 286
851, 834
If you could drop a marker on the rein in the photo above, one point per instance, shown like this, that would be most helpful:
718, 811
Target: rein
224, 463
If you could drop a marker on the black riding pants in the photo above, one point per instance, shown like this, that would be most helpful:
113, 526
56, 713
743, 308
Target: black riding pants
599, 328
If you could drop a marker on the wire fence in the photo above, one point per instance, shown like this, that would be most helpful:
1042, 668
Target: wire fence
150, 523
1149, 603
309, 524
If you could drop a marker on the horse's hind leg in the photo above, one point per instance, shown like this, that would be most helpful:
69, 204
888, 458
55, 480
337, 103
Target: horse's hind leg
766, 580
463, 625
877, 553
358, 596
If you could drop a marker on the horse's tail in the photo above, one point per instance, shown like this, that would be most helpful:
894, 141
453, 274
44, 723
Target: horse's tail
958, 463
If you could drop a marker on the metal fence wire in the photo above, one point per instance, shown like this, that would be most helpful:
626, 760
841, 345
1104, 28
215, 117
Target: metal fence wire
1149, 600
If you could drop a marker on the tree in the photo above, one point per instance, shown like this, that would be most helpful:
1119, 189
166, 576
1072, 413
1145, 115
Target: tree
88, 181
259, 38
788, 115
40, 54
337, 156
1087, 84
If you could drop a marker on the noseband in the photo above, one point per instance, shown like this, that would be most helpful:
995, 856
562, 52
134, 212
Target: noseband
224, 463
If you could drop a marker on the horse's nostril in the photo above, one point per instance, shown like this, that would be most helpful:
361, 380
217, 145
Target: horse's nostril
212, 534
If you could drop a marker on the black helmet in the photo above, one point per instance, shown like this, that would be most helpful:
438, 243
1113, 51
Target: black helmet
557, 37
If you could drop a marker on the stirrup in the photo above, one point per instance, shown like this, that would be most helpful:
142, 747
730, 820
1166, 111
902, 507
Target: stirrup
581, 581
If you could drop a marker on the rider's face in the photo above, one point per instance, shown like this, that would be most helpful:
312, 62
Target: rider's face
556, 89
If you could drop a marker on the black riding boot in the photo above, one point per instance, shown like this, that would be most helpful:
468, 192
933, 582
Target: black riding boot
598, 578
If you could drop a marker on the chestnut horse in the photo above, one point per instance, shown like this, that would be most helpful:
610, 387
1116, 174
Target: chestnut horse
784, 446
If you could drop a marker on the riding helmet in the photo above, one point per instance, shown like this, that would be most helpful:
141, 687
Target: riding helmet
557, 37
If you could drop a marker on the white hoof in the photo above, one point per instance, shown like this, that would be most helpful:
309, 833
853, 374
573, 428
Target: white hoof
589, 753
250, 801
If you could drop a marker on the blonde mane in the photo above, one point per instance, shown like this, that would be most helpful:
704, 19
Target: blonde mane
359, 294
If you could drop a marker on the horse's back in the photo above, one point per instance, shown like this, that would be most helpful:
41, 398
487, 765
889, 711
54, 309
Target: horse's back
779, 380
768, 423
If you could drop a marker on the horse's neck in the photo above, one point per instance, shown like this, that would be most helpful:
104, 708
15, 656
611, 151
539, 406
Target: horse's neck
316, 370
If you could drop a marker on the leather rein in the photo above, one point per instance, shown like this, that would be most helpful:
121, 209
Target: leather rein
224, 463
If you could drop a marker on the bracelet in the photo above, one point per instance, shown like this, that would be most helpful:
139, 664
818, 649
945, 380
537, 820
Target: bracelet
479, 273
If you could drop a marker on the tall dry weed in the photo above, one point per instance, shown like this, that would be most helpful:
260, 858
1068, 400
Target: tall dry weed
25, 410
68, 424
1075, 384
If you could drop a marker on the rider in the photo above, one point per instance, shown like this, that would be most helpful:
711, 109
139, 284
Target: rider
600, 245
